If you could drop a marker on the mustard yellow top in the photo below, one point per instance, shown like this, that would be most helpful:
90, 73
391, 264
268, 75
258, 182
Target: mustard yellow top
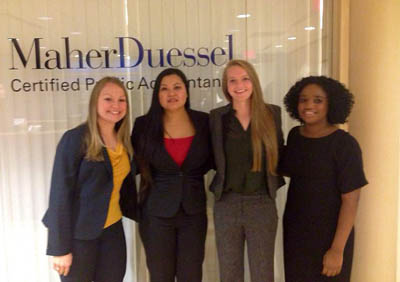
121, 167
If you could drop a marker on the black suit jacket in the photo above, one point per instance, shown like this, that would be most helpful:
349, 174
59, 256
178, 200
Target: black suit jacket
80, 193
175, 186
216, 126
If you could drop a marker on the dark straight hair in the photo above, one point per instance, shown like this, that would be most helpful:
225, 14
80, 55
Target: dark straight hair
154, 117
153, 136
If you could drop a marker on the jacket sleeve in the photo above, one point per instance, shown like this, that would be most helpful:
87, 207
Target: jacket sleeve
211, 122
279, 134
128, 195
58, 217
136, 140
135, 135
210, 161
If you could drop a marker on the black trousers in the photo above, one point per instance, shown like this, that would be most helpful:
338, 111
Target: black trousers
174, 246
99, 260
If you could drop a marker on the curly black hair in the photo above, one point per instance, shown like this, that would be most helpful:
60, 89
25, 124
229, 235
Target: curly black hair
340, 99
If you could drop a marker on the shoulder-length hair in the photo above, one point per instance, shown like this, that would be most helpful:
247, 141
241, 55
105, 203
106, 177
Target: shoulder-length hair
93, 142
153, 136
263, 128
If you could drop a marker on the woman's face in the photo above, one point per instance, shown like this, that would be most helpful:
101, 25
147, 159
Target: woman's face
111, 105
313, 105
239, 85
172, 94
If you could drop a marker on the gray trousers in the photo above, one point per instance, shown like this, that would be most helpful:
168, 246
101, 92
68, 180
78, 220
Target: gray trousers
251, 218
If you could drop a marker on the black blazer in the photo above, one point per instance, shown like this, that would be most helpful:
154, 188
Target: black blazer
174, 186
216, 126
80, 193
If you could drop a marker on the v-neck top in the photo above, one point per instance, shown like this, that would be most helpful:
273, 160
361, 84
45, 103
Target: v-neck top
178, 148
239, 159
175, 187
120, 166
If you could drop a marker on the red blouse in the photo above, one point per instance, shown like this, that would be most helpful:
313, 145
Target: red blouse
178, 148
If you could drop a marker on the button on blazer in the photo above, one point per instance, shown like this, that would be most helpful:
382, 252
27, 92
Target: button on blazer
80, 193
173, 186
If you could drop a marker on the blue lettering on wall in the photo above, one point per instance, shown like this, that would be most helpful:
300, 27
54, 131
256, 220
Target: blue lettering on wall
122, 57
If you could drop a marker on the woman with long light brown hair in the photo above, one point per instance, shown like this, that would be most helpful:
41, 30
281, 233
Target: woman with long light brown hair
246, 137
92, 187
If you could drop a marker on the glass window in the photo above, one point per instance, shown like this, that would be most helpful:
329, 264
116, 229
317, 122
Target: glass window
53, 52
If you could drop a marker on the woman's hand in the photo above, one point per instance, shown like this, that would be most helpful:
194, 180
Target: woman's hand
332, 262
62, 264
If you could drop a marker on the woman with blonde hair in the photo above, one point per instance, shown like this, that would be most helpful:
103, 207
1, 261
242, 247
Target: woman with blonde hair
92, 186
246, 137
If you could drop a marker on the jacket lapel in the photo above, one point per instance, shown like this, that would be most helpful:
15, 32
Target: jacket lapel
197, 126
217, 133
107, 162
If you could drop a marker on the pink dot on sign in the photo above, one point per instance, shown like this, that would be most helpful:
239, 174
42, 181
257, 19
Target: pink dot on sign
250, 54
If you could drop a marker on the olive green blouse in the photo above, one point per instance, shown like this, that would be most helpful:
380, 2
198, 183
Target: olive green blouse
239, 159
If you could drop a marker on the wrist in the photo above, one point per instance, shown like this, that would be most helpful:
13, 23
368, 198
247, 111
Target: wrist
337, 249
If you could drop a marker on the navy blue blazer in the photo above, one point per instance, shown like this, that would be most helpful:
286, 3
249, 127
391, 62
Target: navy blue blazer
216, 125
173, 186
80, 193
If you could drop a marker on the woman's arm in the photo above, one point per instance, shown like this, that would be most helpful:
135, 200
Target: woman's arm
58, 217
281, 142
138, 139
333, 258
128, 195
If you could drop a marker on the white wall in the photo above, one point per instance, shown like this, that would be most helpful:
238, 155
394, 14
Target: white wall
374, 78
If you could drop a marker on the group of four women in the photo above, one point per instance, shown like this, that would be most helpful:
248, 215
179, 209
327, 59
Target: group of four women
173, 147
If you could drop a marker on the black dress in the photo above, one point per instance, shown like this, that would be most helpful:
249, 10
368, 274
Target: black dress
321, 169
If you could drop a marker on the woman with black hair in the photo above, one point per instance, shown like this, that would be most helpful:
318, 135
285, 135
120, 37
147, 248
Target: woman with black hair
173, 151
326, 171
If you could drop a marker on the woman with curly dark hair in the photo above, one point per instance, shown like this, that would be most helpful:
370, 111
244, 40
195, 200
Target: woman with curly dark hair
326, 171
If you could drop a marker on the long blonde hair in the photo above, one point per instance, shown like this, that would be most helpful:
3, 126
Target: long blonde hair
92, 140
263, 128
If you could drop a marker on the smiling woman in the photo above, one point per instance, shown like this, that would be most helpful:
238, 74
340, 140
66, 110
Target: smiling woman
172, 93
325, 167
92, 186
247, 138
172, 145
112, 104
313, 105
